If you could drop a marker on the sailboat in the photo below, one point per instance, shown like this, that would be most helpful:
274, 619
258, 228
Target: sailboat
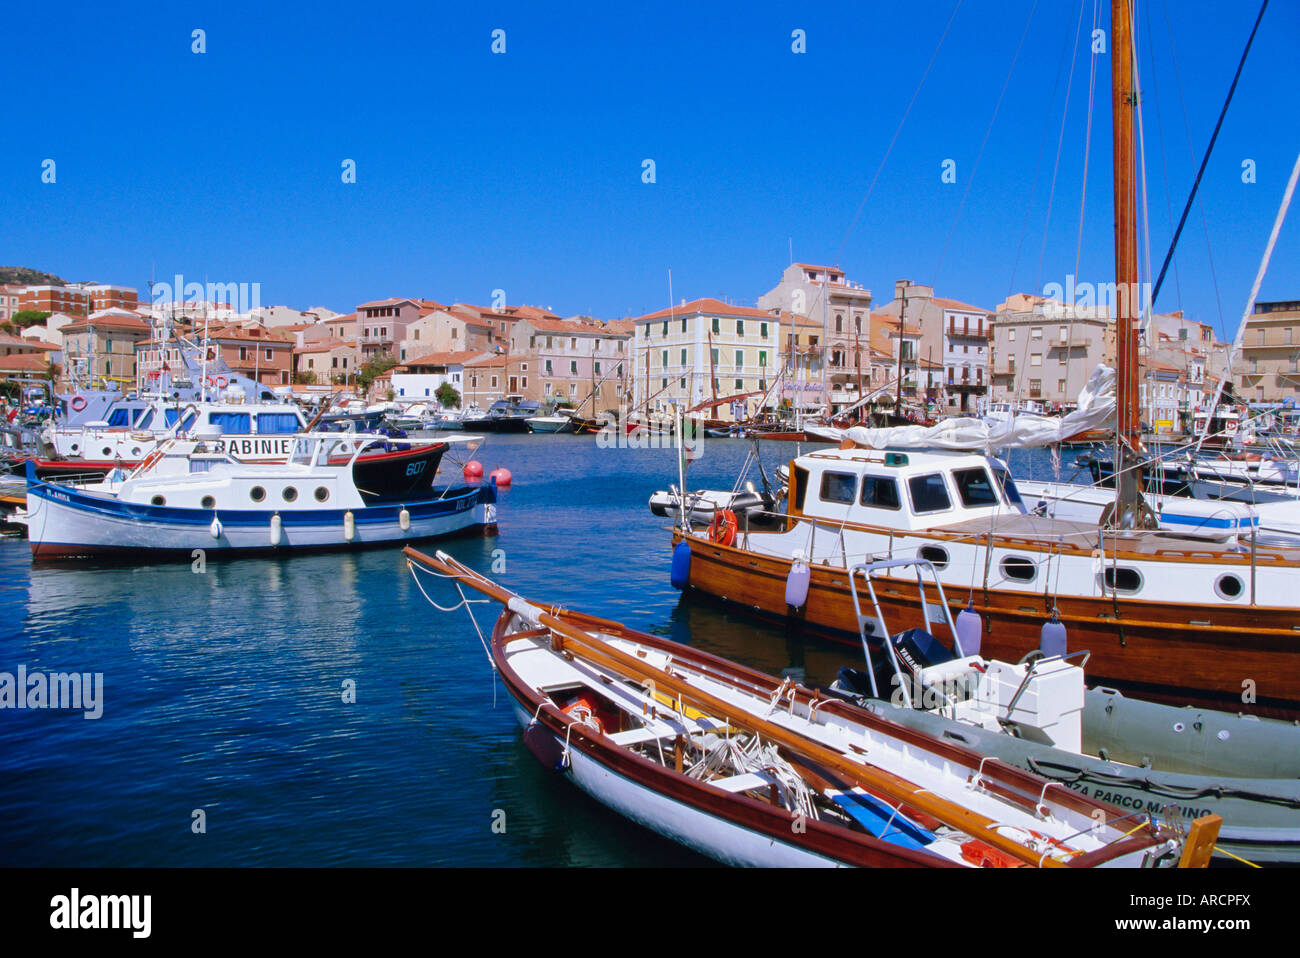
1209, 616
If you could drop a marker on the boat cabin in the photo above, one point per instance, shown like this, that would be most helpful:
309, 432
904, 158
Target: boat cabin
903, 490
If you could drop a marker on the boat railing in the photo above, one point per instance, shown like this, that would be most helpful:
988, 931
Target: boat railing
867, 571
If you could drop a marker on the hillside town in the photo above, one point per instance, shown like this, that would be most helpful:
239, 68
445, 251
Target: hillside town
817, 343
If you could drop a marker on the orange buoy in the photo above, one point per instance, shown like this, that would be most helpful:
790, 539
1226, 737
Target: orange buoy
473, 470
501, 476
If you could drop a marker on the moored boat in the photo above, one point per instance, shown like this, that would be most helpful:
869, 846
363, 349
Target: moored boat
752, 770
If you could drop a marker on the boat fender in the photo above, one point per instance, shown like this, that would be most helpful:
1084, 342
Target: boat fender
215, 528
680, 572
275, 529
349, 526
796, 584
1052, 639
404, 519
970, 630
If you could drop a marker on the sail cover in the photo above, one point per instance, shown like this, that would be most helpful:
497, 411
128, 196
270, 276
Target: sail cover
1096, 410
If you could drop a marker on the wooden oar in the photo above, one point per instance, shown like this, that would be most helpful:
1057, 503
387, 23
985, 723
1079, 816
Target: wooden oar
872, 779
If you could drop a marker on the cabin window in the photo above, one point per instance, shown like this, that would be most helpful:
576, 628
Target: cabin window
936, 554
975, 488
879, 492
1121, 579
257, 493
839, 487
120, 418
1019, 568
929, 494
1228, 586
277, 422
1008, 487
799, 479
238, 422
145, 420
322, 493
171, 415
290, 493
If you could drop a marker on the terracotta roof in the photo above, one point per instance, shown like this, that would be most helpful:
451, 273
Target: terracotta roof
709, 306
958, 304
458, 357
24, 362
569, 327
823, 269
326, 346
115, 321
798, 319
488, 360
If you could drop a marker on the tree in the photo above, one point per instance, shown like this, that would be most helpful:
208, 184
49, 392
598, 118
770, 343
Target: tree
447, 396
305, 377
372, 369
28, 317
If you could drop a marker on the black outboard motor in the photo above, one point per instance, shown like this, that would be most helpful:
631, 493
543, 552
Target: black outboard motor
916, 649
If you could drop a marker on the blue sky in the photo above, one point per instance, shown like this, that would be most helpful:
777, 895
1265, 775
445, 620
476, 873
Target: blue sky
523, 171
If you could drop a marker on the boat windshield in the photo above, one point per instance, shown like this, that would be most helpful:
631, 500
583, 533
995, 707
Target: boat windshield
1008, 486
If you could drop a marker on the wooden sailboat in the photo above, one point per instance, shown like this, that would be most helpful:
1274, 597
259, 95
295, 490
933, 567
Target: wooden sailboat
1189, 617
752, 770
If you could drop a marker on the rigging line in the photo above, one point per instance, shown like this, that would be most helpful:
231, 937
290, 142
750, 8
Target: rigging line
983, 143
1187, 131
1254, 289
894, 139
1056, 163
1209, 149
1087, 142
1042, 143
1143, 305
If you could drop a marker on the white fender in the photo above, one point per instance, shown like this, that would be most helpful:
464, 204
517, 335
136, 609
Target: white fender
404, 520
275, 529
215, 528
349, 526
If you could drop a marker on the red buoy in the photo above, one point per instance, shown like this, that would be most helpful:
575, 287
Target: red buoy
473, 470
501, 476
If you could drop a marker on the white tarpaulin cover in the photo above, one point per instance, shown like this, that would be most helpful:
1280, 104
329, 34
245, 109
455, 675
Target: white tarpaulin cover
1096, 411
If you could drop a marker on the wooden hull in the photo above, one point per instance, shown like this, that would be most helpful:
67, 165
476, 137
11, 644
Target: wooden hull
1235, 658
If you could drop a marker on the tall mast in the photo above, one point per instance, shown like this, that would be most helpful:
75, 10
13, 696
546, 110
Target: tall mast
1129, 503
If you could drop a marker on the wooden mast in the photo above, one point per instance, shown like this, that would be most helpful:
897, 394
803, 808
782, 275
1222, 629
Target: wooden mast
1129, 511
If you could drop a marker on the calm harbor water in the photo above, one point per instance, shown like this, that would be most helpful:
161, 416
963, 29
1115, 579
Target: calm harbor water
223, 691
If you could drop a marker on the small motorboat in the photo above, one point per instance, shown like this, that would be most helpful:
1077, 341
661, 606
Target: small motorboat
703, 505
749, 769
1037, 714
508, 415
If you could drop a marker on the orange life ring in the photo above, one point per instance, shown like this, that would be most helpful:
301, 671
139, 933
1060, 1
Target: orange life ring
585, 712
723, 528
78, 403
222, 382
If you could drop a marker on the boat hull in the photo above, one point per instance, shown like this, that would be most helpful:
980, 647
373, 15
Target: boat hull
1241, 658
66, 523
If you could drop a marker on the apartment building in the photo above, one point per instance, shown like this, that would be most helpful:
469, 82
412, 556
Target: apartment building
485, 380
72, 300
899, 345
1268, 370
107, 296
256, 352
801, 364
1044, 350
571, 360
326, 361
100, 349
703, 350
9, 302
382, 324
450, 329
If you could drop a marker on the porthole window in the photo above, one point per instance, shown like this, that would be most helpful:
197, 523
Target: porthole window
289, 494
75, 446
158, 501
1019, 569
936, 554
108, 450
1228, 586
136, 452
257, 494
208, 502
322, 493
1121, 579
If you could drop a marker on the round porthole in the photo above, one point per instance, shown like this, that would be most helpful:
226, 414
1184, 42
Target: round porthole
257, 493
208, 502
322, 493
158, 501
1019, 569
1228, 586
76, 446
289, 494
108, 451
136, 452
936, 554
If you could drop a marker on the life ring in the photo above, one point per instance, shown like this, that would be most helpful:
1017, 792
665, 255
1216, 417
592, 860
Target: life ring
78, 403
222, 382
723, 528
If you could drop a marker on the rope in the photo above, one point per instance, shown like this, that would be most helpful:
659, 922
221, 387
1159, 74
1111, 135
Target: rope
464, 603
